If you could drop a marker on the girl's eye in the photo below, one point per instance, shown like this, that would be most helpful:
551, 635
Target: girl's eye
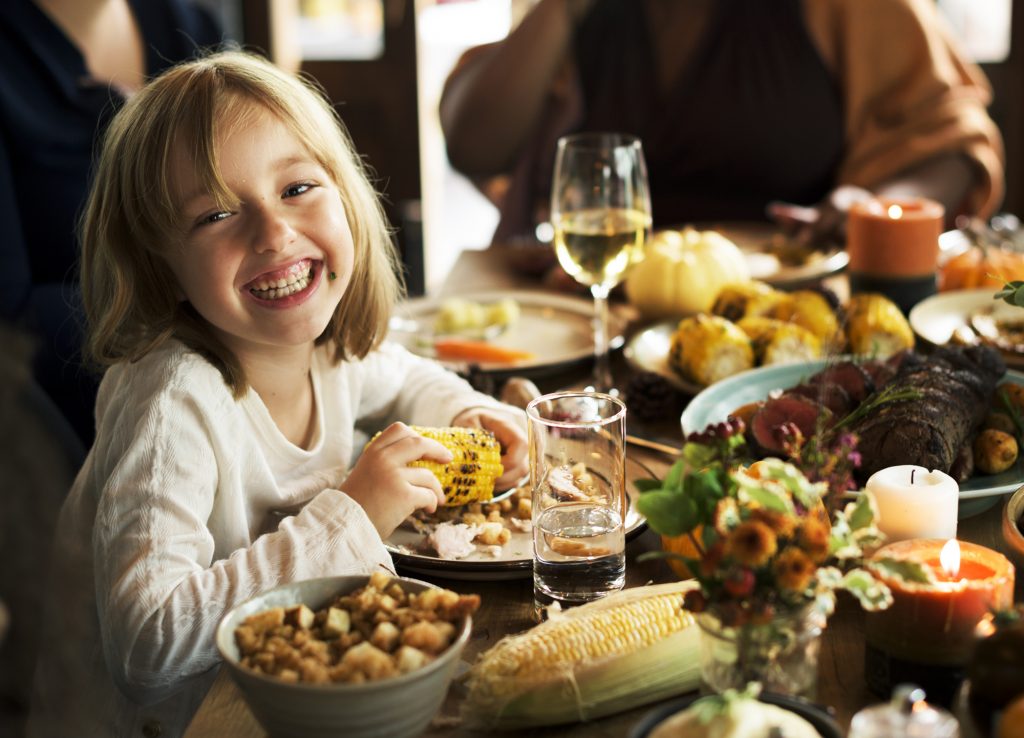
212, 217
298, 189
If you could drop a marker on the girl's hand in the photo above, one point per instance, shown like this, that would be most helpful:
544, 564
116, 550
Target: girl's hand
387, 487
511, 434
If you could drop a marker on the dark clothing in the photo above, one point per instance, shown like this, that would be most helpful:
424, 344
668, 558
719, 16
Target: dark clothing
52, 115
754, 116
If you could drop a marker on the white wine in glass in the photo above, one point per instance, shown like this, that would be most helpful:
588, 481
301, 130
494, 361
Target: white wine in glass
601, 213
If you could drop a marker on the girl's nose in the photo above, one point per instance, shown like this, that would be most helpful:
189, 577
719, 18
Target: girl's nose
272, 231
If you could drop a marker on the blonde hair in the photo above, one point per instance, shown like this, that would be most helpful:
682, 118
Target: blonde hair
133, 215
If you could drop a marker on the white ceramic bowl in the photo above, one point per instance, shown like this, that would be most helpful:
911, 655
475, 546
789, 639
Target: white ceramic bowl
389, 708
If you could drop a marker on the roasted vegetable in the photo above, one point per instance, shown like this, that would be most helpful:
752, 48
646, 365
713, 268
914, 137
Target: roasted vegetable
682, 272
811, 310
707, 348
776, 342
994, 451
470, 475
740, 299
630, 648
481, 352
876, 327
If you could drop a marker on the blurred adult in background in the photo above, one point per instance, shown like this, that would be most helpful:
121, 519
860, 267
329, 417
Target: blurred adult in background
740, 104
65, 67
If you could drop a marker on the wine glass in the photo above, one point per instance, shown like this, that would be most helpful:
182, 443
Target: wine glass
601, 214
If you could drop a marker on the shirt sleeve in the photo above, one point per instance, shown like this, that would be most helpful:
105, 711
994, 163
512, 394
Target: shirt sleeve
160, 593
910, 93
398, 385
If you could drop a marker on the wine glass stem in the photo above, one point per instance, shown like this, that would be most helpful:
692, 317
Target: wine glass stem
602, 366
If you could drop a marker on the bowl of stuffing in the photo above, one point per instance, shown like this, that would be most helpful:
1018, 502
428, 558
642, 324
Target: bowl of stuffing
352, 655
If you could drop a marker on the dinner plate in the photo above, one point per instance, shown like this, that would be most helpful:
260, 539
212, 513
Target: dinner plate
755, 240
822, 722
648, 351
557, 329
714, 404
936, 318
516, 558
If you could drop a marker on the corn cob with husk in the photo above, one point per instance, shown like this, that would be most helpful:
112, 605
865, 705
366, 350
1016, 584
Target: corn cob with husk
876, 327
476, 463
627, 649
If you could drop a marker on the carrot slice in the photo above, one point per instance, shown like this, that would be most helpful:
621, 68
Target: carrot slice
463, 349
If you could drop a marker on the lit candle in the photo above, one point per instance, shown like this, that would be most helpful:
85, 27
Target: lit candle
893, 245
914, 502
934, 622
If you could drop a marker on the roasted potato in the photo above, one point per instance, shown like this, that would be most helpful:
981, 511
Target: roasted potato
994, 451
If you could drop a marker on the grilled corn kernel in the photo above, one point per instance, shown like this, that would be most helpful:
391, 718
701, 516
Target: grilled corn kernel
812, 311
740, 299
876, 327
707, 348
776, 342
470, 475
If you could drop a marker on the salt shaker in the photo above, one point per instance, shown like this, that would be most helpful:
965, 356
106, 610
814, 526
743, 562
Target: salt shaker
906, 714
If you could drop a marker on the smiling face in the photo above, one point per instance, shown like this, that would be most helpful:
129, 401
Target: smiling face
258, 271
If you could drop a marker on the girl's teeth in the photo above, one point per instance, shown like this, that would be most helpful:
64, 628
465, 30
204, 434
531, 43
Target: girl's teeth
283, 287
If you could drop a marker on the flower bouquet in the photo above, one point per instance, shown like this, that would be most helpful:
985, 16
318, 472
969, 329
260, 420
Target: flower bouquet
757, 537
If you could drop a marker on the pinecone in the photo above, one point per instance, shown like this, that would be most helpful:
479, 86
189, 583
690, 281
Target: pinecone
651, 397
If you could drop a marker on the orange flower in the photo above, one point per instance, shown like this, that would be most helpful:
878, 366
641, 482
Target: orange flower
783, 525
814, 536
793, 570
752, 543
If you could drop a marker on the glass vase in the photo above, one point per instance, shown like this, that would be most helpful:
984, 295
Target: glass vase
781, 654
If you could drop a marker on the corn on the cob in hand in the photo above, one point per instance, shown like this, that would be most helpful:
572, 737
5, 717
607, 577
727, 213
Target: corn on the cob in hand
707, 348
470, 475
876, 327
627, 649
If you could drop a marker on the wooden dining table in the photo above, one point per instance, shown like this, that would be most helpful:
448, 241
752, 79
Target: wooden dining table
507, 604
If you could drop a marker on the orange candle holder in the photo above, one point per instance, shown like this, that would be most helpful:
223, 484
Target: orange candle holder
893, 245
926, 636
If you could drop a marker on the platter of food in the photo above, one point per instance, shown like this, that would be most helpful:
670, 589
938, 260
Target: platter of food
522, 332
774, 257
969, 317
488, 559
725, 398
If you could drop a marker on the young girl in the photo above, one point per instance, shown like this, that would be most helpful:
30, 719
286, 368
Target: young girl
238, 278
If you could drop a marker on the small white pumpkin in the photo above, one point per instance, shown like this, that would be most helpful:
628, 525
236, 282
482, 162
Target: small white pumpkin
683, 271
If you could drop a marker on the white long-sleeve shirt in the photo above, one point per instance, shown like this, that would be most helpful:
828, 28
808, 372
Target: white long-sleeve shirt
160, 535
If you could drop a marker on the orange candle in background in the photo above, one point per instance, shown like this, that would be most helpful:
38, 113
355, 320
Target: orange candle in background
894, 238
933, 623
893, 245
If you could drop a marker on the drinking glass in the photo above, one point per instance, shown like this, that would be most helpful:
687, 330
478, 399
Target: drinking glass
601, 214
578, 478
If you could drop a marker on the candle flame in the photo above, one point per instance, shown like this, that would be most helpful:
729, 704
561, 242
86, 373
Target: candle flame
949, 557
895, 211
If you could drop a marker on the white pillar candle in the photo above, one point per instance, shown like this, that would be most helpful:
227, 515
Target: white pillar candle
914, 502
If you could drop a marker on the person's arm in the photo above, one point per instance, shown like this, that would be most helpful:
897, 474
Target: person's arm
495, 96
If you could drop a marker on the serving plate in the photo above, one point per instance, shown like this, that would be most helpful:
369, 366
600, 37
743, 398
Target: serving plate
937, 318
714, 404
815, 715
516, 558
648, 351
756, 241
556, 329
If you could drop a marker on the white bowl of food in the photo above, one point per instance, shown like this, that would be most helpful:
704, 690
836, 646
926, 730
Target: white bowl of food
314, 658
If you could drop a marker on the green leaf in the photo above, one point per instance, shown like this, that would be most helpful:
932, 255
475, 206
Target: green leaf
863, 512
869, 591
675, 474
668, 512
904, 570
646, 485
698, 456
